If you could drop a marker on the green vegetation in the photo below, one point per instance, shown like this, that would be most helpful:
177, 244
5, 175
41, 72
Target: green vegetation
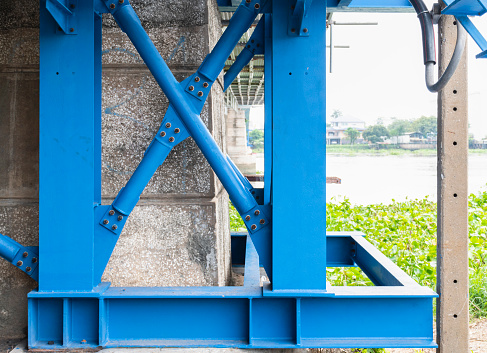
406, 233
256, 139
375, 133
352, 134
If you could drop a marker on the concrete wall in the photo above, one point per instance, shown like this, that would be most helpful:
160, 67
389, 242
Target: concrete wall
178, 234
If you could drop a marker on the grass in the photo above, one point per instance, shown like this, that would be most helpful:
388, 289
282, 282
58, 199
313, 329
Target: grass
406, 233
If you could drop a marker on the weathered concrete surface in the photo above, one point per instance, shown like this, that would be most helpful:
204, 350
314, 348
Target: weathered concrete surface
19, 221
236, 137
452, 250
179, 233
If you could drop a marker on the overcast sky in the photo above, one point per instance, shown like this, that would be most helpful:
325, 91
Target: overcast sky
382, 74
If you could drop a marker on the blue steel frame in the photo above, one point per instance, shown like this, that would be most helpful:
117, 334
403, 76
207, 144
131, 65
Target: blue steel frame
286, 223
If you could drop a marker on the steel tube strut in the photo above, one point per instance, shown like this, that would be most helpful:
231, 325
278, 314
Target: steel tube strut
254, 46
8, 248
241, 21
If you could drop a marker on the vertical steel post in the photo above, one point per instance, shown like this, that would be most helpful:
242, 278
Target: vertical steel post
70, 84
452, 272
298, 171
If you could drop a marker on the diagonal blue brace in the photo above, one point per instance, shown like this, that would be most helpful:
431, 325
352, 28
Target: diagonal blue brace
25, 258
463, 8
187, 99
63, 12
297, 18
255, 46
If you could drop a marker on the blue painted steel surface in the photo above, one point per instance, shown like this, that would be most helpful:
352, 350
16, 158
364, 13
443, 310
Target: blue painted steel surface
24, 258
299, 126
72, 309
69, 80
246, 317
465, 7
254, 46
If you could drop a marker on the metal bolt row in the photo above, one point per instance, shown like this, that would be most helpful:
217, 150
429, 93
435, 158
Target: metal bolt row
111, 213
20, 263
176, 131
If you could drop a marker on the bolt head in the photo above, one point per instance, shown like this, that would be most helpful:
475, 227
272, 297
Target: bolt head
114, 227
120, 217
168, 125
191, 88
176, 130
72, 6
112, 6
71, 30
305, 30
262, 221
28, 269
34, 260
257, 6
247, 218
50, 343
196, 79
105, 221
111, 213
84, 341
205, 85
257, 212
293, 30
25, 254
253, 227
200, 94
120, 1
163, 133
171, 139
19, 263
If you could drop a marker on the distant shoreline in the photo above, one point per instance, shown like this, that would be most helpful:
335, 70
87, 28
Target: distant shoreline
366, 150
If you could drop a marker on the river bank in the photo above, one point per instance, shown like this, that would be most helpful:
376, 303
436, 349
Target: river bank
349, 150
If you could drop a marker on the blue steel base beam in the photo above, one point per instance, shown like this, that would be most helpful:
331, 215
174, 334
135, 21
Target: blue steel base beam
241, 317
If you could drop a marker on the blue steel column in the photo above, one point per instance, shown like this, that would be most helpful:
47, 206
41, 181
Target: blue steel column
298, 170
69, 81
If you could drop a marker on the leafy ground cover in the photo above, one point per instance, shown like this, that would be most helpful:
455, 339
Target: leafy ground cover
406, 233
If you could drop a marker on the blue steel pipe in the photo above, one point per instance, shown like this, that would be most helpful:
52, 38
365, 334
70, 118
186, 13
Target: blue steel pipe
239, 23
128, 197
130, 24
8, 248
242, 60
254, 46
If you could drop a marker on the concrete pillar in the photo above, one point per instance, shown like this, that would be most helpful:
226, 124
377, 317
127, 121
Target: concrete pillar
19, 162
452, 272
178, 234
237, 141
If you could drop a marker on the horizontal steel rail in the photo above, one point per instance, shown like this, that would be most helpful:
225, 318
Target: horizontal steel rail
248, 316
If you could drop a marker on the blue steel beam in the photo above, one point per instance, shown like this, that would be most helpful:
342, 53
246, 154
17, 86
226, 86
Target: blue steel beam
243, 317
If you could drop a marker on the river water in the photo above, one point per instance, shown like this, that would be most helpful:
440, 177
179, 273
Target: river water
368, 179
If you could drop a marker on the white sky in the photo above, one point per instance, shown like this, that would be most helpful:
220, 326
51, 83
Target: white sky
382, 73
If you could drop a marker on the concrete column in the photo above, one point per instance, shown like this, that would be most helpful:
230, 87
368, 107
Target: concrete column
237, 141
452, 271
178, 234
19, 150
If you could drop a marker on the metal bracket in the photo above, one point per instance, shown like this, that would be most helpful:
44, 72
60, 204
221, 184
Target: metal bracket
297, 18
199, 86
25, 258
255, 220
63, 12
114, 220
